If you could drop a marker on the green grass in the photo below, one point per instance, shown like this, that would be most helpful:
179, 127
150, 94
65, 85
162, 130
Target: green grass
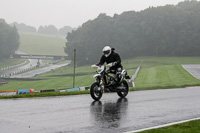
166, 76
187, 127
48, 83
39, 44
45, 94
151, 76
69, 70
148, 62
32, 43
10, 62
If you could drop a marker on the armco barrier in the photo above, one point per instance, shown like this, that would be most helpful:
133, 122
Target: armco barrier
84, 88
47, 90
8, 94
8, 91
87, 88
73, 89
61, 90
32, 90
24, 91
5, 68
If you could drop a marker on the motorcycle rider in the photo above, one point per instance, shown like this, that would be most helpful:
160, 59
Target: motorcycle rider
109, 56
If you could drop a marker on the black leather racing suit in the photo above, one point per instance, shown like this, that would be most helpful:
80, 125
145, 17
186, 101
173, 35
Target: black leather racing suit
113, 57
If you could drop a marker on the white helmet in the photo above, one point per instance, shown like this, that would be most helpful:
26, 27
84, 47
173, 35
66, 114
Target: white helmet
106, 51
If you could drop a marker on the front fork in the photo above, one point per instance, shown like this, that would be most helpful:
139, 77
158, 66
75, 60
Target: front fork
100, 81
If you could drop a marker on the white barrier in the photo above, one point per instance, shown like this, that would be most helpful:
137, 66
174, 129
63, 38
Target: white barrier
8, 94
134, 76
9, 67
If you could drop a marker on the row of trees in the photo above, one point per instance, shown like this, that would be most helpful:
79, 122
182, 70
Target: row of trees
9, 39
162, 31
50, 29
24, 27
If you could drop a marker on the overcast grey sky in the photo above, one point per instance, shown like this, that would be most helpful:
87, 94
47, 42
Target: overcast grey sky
69, 12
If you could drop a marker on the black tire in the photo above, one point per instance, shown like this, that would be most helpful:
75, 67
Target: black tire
95, 93
123, 93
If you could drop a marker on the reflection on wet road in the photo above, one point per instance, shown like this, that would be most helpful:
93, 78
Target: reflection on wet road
108, 116
72, 114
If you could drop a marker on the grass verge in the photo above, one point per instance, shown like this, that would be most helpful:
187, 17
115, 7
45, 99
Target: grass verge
10, 62
45, 94
166, 76
187, 127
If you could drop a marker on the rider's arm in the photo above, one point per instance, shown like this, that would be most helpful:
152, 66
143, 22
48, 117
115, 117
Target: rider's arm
117, 58
102, 60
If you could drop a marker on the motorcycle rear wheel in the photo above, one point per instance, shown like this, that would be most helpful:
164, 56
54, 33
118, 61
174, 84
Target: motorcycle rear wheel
124, 92
95, 92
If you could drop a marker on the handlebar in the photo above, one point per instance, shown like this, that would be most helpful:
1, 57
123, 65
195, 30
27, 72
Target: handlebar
108, 65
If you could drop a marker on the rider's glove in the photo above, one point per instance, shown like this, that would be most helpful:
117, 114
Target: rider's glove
114, 63
97, 64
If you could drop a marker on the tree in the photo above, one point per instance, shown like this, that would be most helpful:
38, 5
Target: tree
157, 31
24, 27
51, 29
65, 30
9, 39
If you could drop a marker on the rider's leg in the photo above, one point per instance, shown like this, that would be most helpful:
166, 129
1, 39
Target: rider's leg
119, 70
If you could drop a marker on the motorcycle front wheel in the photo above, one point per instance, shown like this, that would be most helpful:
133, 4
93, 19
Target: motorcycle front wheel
123, 92
95, 92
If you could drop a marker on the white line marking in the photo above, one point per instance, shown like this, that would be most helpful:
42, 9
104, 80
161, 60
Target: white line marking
160, 126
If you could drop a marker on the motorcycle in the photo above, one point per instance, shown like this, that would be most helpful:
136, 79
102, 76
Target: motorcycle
108, 82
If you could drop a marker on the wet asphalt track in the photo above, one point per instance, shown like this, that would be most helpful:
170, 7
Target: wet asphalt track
193, 69
72, 114
32, 63
38, 71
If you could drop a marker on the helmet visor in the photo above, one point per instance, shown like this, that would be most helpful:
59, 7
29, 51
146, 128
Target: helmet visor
106, 52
